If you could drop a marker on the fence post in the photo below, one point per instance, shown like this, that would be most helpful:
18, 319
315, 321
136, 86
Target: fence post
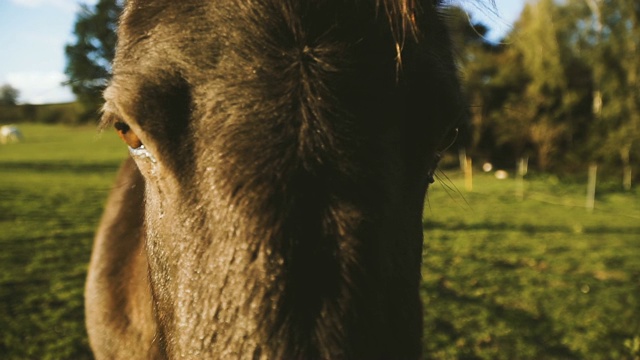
468, 175
627, 178
462, 158
521, 172
591, 187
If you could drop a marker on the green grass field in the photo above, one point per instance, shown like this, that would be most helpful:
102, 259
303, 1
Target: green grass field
503, 279
534, 279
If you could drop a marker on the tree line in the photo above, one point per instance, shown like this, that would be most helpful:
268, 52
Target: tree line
560, 89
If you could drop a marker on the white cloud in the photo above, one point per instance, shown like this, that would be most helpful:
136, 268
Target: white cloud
40, 87
67, 5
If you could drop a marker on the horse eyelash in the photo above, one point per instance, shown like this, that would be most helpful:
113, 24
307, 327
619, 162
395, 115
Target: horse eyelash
453, 141
438, 156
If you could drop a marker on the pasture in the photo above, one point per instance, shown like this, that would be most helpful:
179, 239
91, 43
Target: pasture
503, 279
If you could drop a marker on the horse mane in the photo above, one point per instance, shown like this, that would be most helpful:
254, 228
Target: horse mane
402, 19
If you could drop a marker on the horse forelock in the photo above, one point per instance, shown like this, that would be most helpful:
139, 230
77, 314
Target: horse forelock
402, 15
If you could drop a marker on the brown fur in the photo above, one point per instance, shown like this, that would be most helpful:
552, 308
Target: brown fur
118, 288
289, 159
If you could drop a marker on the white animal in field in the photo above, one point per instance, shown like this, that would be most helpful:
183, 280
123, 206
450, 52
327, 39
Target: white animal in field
10, 134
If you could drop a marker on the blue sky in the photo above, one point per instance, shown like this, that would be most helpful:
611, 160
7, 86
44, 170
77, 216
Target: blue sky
33, 34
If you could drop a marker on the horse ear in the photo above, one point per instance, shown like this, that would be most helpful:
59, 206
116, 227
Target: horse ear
127, 135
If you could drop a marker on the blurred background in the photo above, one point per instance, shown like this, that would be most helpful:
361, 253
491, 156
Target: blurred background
532, 231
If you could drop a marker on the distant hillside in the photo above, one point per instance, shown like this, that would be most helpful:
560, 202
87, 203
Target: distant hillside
65, 113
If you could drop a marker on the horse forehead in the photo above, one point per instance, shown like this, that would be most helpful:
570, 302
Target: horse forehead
191, 24
160, 40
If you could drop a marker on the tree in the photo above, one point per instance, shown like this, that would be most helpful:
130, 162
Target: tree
89, 57
479, 62
560, 83
562, 87
611, 39
8, 95
534, 91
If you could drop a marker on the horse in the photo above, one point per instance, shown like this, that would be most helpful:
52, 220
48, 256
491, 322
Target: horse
272, 204
10, 134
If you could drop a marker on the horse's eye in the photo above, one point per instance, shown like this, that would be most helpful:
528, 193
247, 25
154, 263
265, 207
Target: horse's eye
127, 135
